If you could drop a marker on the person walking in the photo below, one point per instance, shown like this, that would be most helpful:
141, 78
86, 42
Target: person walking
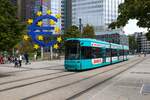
26, 58
20, 60
35, 57
1, 59
144, 54
16, 61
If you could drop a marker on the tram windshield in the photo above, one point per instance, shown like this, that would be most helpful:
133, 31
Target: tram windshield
72, 50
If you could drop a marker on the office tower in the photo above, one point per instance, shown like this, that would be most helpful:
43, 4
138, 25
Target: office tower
13, 2
142, 42
25, 8
53, 5
113, 36
66, 11
98, 13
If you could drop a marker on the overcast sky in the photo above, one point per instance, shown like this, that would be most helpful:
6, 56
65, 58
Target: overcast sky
131, 27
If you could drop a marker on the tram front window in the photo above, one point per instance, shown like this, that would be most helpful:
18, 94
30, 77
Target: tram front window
72, 50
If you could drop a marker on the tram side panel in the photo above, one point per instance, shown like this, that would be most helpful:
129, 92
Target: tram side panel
126, 52
114, 53
92, 57
121, 55
88, 54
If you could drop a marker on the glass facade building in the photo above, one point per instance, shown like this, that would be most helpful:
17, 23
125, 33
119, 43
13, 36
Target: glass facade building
143, 43
98, 13
44, 5
66, 11
114, 36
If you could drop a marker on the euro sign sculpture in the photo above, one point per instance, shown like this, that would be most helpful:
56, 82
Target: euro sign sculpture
37, 31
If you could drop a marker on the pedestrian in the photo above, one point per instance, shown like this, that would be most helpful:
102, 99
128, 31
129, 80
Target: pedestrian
16, 61
1, 59
35, 57
144, 54
26, 58
20, 60
139, 54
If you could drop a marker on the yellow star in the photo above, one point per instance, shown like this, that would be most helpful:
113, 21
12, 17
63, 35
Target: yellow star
57, 29
30, 21
49, 12
25, 37
56, 46
36, 46
39, 13
59, 39
40, 23
52, 22
58, 16
40, 37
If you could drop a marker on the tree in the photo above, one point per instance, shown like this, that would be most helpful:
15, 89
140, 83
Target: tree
72, 32
132, 44
25, 46
10, 27
88, 32
134, 9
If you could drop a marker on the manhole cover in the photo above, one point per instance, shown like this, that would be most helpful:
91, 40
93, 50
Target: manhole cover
145, 89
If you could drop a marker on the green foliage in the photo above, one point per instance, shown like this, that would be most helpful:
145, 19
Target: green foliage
25, 46
88, 32
133, 9
132, 43
10, 27
72, 32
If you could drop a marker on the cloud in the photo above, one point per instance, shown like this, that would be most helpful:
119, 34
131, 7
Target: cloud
131, 27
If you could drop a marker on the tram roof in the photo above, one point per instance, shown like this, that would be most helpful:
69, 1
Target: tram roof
89, 40
97, 41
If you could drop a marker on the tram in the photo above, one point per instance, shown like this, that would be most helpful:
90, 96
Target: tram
83, 53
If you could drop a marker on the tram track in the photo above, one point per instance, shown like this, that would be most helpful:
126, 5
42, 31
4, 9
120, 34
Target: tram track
78, 81
30, 69
101, 82
30, 83
8, 82
34, 77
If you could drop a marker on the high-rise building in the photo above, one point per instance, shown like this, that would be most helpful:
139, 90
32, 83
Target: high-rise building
14, 2
98, 13
143, 43
25, 8
66, 7
28, 8
44, 5
113, 36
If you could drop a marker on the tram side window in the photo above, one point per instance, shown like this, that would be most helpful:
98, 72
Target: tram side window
108, 52
97, 52
126, 52
121, 52
91, 52
86, 52
114, 52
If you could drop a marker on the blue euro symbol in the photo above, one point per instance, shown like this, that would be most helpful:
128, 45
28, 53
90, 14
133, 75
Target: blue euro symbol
35, 30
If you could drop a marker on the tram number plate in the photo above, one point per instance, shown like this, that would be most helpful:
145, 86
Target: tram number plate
97, 61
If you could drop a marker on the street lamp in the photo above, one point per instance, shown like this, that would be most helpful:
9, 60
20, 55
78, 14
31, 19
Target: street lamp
80, 24
80, 27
